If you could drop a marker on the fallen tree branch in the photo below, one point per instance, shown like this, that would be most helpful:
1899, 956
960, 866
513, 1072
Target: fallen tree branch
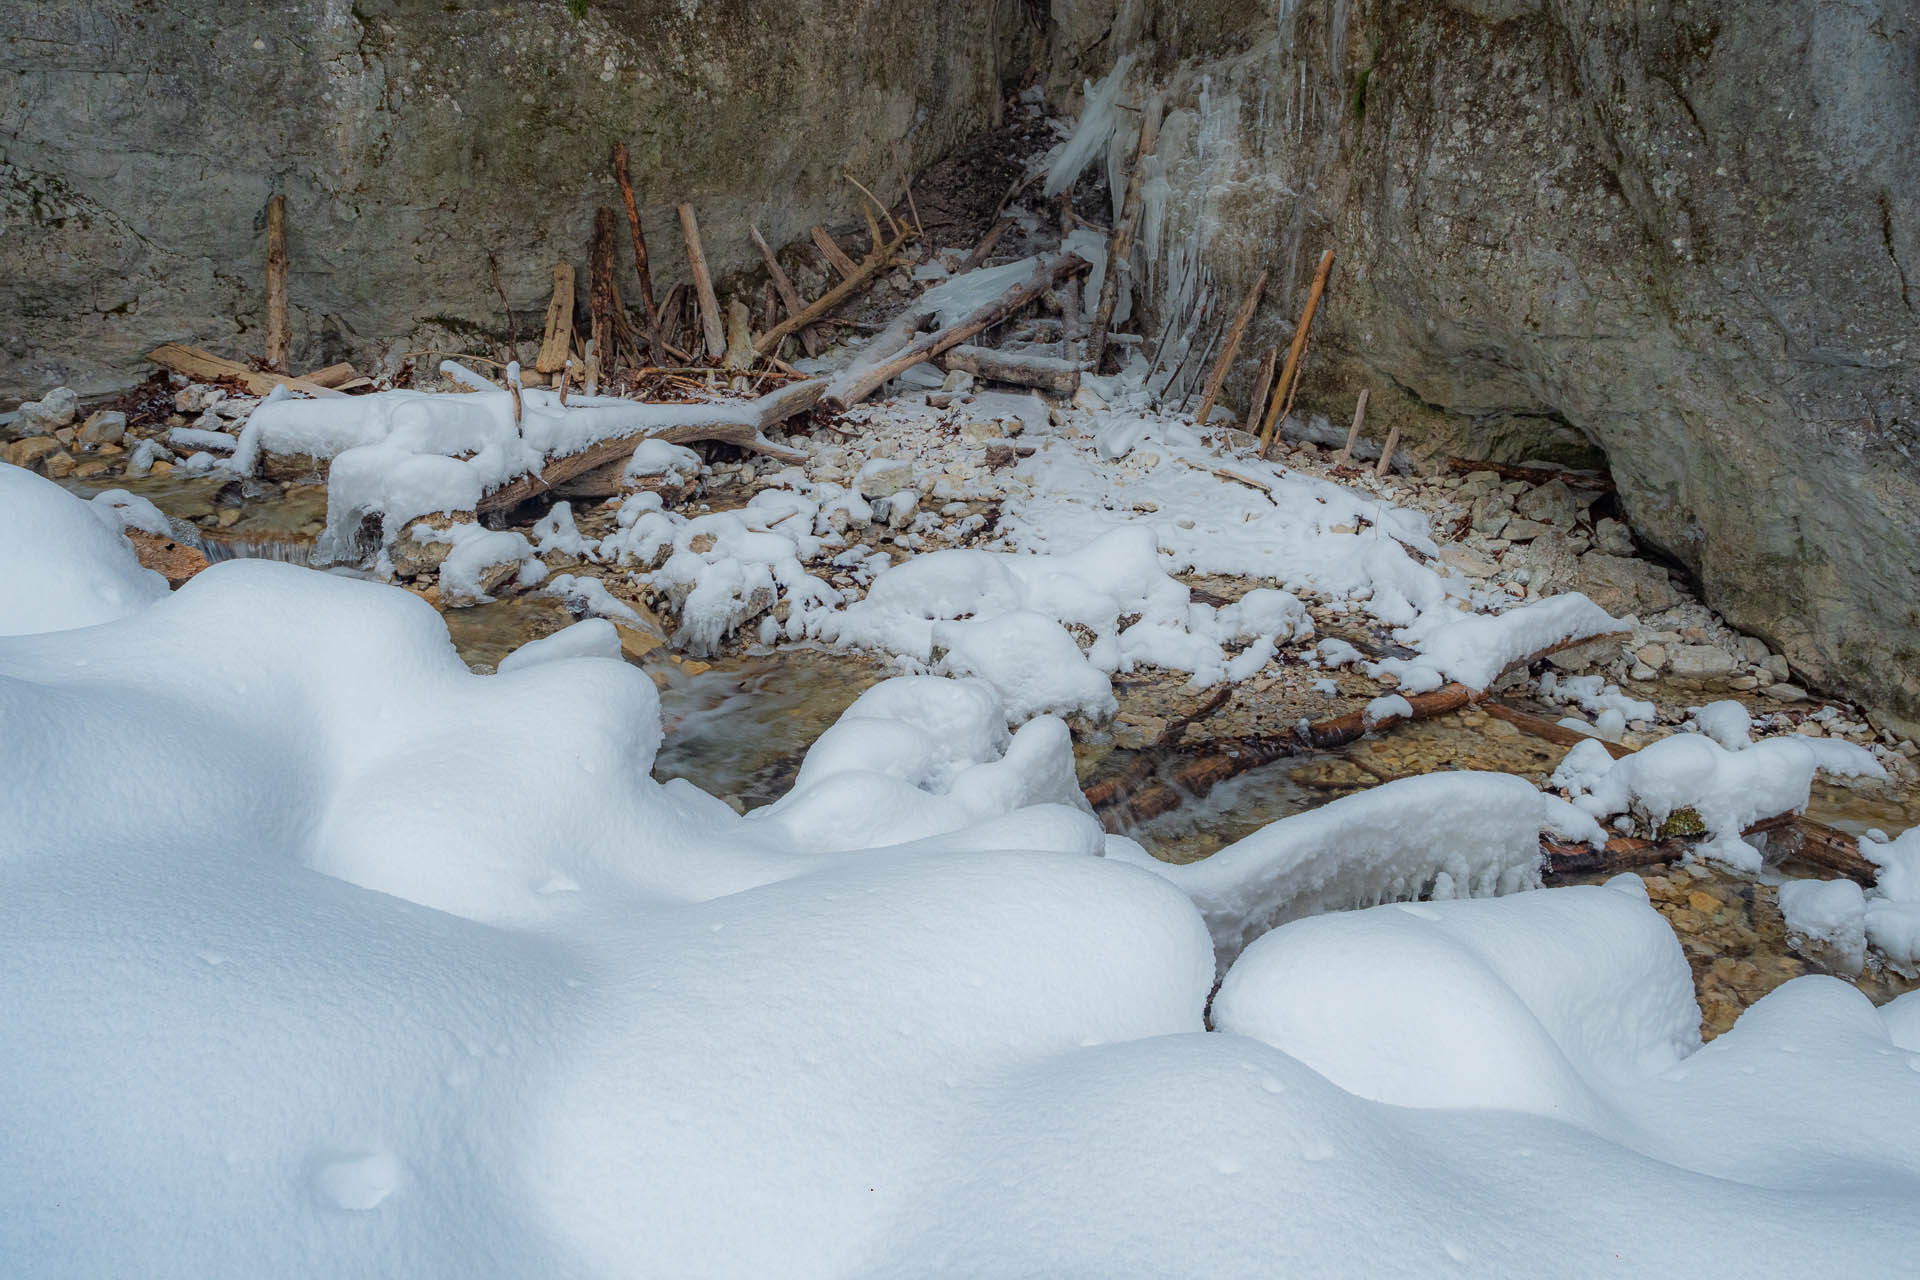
1816, 843
874, 263
208, 367
1046, 373
854, 385
783, 285
742, 423
1591, 480
1225, 363
1290, 374
639, 253
710, 325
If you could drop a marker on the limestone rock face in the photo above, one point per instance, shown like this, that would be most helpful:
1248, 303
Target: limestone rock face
1685, 234
414, 140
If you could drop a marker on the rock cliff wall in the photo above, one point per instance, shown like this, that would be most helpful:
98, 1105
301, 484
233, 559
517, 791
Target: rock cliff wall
1685, 233
140, 141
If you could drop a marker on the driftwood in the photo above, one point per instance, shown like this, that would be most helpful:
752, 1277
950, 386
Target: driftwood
747, 431
207, 367
1046, 373
978, 257
710, 326
1120, 247
856, 385
1547, 731
279, 333
1353, 433
640, 266
875, 262
335, 375
1807, 840
1235, 333
739, 337
1590, 480
789, 296
1262, 384
1229, 757
831, 250
600, 300
1290, 374
556, 340
1382, 467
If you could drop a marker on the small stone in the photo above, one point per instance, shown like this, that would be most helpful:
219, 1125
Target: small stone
1652, 655
1084, 398
1703, 902
1613, 537
981, 432
32, 452
228, 517
1468, 563
1688, 920
1551, 504
1743, 683
1642, 672
1700, 662
108, 426
1777, 667
91, 467
1524, 530
48, 414
59, 464
1810, 729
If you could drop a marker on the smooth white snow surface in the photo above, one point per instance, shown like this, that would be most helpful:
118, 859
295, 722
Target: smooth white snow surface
322, 956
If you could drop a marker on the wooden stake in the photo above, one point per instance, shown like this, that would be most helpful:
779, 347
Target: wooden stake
279, 337
784, 284
1283, 394
1120, 246
600, 298
1261, 385
1227, 353
1353, 433
639, 253
834, 253
1069, 318
1386, 452
739, 337
556, 339
513, 389
710, 326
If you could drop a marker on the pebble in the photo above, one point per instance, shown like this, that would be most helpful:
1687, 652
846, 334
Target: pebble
1652, 655
1786, 693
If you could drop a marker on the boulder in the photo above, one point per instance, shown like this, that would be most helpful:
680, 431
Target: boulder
1699, 662
48, 414
108, 426
1624, 584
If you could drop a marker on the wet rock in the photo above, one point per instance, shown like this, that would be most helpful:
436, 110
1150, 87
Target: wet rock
31, 452
59, 464
48, 414
108, 426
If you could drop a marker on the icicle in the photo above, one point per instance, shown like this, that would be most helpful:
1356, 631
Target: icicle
1099, 114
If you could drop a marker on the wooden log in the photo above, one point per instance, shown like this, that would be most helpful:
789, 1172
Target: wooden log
333, 375
1591, 480
600, 299
1069, 320
745, 429
1382, 467
856, 385
556, 338
207, 367
1353, 433
1043, 373
1290, 374
1120, 246
279, 332
716, 336
1809, 841
1235, 333
978, 257
870, 267
788, 294
640, 265
1547, 731
739, 337
1262, 385
831, 250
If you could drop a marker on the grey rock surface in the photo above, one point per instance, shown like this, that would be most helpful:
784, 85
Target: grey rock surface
423, 145
1684, 235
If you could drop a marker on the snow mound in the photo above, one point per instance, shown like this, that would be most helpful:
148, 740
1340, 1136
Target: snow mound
60, 566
